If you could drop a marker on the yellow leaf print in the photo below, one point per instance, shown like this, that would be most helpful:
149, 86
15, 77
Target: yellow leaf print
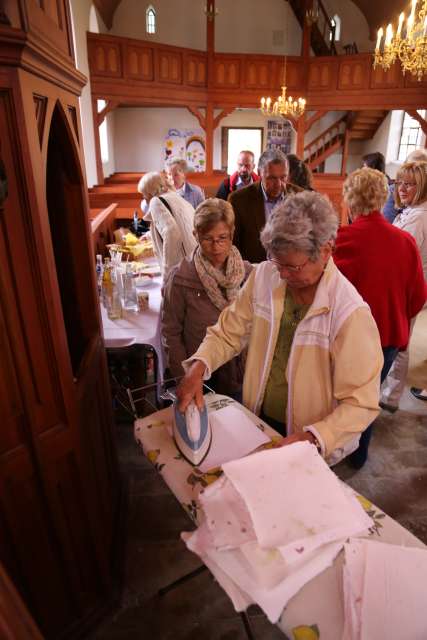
366, 504
153, 455
306, 633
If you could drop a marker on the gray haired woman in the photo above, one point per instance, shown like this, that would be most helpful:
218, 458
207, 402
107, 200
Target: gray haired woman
314, 353
199, 288
171, 220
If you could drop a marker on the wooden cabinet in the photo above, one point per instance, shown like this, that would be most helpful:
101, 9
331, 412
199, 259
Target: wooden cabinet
59, 485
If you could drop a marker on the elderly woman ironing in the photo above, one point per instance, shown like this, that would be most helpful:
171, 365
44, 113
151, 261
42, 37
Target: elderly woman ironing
314, 353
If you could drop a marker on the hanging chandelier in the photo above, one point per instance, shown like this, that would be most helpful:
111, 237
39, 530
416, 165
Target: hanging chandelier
284, 106
408, 44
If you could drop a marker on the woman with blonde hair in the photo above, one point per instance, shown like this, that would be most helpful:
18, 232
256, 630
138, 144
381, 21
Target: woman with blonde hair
199, 288
411, 193
384, 265
171, 219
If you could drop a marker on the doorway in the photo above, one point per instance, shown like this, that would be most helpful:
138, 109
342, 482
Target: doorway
236, 139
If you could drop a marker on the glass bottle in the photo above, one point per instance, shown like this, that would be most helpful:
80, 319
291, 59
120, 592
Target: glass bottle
110, 293
99, 273
106, 281
129, 290
114, 309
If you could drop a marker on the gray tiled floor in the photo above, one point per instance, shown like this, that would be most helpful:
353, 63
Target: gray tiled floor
395, 478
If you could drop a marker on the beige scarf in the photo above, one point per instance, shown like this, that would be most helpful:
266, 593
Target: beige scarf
222, 288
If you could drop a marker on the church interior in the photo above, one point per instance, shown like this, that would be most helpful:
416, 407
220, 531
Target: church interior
95, 94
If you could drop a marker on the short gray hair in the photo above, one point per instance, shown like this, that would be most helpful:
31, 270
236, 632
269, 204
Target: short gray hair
418, 155
303, 222
177, 162
210, 212
272, 156
152, 184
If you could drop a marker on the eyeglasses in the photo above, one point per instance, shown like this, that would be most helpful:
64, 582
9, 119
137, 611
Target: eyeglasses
405, 185
288, 267
220, 240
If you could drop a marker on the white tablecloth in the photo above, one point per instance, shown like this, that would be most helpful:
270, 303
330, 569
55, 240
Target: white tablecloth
316, 611
137, 328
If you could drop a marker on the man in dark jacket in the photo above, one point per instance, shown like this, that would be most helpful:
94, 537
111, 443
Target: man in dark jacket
243, 177
253, 205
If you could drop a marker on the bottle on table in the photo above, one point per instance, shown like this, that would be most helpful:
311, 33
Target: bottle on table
130, 302
110, 292
99, 273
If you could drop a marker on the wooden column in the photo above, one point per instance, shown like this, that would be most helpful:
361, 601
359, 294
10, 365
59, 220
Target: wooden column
99, 170
306, 31
300, 136
209, 116
345, 152
209, 137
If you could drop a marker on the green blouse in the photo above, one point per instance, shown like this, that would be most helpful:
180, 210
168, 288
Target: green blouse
276, 393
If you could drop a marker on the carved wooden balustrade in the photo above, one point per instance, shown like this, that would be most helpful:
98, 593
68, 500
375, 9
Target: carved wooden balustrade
138, 72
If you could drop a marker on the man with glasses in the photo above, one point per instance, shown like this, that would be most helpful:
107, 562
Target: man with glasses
254, 204
243, 177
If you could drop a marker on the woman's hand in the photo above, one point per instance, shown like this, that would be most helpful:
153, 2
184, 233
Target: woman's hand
298, 437
191, 387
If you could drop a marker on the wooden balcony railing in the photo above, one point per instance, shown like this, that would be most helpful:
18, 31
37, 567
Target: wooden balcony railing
138, 72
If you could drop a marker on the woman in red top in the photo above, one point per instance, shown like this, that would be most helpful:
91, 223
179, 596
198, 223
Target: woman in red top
384, 264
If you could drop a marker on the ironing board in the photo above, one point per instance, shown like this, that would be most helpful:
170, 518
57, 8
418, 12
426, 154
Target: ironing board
316, 611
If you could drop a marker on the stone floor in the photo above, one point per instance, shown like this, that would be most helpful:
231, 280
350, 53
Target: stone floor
394, 478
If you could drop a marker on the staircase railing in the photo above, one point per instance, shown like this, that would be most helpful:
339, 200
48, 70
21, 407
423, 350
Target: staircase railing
319, 145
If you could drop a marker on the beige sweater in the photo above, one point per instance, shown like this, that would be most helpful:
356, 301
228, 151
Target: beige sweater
335, 362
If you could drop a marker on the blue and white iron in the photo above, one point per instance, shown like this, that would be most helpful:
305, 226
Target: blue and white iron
192, 432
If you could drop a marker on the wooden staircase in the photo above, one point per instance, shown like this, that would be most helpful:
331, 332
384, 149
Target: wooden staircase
322, 35
355, 125
364, 124
330, 141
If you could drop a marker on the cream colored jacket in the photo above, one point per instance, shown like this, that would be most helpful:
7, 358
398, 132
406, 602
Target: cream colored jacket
172, 233
335, 362
414, 221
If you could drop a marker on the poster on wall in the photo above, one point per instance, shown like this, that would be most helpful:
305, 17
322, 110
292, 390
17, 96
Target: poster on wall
188, 144
279, 135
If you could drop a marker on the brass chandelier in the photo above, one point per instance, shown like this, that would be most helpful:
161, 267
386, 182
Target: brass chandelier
408, 44
284, 106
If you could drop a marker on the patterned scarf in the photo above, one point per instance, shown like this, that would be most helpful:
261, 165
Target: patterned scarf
222, 288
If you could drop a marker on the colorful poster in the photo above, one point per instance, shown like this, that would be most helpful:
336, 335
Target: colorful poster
279, 135
188, 144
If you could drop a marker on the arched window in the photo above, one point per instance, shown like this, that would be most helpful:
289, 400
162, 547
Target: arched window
150, 18
336, 22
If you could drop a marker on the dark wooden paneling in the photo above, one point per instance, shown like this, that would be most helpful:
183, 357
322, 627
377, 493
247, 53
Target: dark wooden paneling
58, 472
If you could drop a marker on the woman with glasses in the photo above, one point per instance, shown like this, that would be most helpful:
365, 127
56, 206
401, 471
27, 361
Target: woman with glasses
364, 252
306, 373
199, 288
411, 193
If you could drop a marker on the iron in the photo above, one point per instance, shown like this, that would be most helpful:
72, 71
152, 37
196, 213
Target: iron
192, 432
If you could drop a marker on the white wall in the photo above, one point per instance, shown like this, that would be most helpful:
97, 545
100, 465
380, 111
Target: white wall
241, 28
181, 23
140, 135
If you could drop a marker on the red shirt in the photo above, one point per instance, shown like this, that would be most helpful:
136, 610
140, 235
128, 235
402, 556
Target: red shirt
384, 264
